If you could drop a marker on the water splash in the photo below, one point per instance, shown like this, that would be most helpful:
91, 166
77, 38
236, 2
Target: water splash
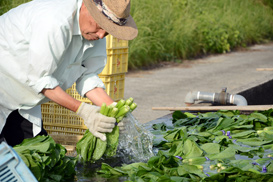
136, 142
135, 145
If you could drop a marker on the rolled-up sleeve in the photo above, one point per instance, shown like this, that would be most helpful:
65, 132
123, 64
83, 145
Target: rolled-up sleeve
94, 61
45, 82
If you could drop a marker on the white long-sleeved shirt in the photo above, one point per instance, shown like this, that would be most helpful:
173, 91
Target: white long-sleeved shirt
41, 46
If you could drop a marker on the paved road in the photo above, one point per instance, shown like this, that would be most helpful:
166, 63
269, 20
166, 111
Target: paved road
168, 86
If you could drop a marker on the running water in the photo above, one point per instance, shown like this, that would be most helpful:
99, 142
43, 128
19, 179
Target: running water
135, 143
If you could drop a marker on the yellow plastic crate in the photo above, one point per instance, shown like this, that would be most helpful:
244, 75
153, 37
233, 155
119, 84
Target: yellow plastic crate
74, 93
117, 56
114, 85
61, 121
117, 62
114, 43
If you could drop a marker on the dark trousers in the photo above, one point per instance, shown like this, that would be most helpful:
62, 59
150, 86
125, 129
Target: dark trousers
17, 128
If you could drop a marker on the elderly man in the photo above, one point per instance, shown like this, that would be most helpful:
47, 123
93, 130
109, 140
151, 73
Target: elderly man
46, 46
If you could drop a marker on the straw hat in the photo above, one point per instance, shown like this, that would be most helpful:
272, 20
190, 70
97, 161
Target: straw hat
114, 17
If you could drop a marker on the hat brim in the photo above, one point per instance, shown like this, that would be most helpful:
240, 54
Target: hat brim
125, 32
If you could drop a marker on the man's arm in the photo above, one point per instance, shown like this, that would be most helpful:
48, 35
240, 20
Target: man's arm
62, 98
97, 123
99, 96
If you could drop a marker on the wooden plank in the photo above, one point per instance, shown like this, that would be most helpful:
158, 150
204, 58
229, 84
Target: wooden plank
70, 148
66, 139
215, 108
264, 69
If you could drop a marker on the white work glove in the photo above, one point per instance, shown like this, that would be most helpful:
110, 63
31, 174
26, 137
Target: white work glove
121, 124
97, 123
114, 104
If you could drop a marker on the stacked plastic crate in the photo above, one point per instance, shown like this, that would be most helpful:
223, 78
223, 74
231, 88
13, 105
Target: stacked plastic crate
58, 120
113, 75
12, 167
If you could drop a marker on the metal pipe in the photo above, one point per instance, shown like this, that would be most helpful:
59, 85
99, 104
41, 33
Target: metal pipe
238, 100
222, 98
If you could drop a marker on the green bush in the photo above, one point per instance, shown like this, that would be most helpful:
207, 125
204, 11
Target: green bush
268, 3
6, 5
183, 29
171, 30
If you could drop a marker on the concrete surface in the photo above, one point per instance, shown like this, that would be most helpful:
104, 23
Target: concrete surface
168, 86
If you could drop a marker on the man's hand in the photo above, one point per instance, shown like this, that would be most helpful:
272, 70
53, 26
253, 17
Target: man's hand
97, 123
122, 123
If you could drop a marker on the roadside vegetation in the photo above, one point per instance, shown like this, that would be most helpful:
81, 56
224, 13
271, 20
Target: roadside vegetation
6, 5
185, 29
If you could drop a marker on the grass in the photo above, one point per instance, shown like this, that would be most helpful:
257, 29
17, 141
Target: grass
183, 29
175, 30
6, 5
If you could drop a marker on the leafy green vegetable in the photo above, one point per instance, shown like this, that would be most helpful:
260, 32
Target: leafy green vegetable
160, 126
46, 159
214, 146
211, 148
91, 148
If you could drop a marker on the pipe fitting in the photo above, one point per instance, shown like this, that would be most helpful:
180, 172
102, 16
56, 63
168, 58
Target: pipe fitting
190, 97
238, 100
193, 96
223, 98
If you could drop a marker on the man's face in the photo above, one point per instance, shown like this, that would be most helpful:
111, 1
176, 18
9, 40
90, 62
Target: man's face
89, 28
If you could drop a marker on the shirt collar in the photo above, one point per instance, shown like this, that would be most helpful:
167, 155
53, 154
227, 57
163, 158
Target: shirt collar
76, 25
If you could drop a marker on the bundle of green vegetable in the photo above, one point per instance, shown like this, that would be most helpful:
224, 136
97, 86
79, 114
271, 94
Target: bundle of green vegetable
214, 146
91, 148
46, 159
